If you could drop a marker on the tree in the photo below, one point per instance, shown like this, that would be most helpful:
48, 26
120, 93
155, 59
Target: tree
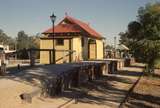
25, 42
6, 40
22, 40
124, 38
143, 35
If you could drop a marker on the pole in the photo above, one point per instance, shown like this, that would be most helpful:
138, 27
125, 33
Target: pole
115, 42
115, 39
16, 43
53, 18
53, 46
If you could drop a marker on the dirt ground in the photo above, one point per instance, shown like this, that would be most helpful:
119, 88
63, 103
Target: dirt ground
106, 92
109, 91
146, 94
10, 91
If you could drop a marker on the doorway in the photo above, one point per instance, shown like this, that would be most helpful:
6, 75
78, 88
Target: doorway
92, 49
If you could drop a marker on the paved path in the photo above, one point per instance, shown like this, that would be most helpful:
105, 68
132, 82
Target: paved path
109, 91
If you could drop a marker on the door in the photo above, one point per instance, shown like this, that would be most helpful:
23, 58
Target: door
92, 51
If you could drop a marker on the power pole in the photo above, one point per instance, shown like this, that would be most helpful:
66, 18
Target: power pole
115, 42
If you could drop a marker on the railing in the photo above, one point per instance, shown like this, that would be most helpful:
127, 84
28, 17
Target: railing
66, 53
65, 56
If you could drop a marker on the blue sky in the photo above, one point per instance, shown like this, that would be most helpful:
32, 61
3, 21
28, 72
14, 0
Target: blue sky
108, 17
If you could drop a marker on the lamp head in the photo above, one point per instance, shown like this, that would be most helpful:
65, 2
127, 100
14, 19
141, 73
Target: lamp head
53, 18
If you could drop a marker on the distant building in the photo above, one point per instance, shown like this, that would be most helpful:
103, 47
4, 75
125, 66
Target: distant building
5, 49
4, 53
71, 34
123, 51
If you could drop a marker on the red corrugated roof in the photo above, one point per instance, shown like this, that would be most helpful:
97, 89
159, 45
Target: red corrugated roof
72, 27
65, 28
84, 26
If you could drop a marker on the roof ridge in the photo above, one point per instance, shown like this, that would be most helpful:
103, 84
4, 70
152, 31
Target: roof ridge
84, 26
77, 20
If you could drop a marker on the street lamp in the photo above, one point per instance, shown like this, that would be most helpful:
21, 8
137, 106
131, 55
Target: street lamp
53, 18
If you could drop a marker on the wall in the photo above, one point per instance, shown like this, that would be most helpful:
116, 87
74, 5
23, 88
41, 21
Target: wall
44, 55
81, 53
78, 48
48, 44
62, 56
99, 49
85, 49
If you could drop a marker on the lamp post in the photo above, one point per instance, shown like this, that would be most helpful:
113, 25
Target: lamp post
53, 18
115, 44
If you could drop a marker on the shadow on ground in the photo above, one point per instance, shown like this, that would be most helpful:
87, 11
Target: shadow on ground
103, 89
105, 93
137, 100
129, 73
146, 95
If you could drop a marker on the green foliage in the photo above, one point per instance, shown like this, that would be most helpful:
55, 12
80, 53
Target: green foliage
157, 63
6, 40
143, 35
21, 43
109, 47
26, 42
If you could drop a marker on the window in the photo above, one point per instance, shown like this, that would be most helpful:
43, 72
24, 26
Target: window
60, 42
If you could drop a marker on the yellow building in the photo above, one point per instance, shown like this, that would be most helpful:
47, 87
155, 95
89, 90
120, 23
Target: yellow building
73, 40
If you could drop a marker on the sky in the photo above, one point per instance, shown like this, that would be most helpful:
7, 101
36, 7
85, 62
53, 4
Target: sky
108, 17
